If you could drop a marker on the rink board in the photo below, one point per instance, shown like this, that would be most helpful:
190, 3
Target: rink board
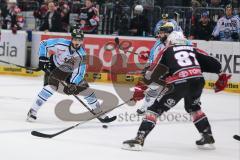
119, 66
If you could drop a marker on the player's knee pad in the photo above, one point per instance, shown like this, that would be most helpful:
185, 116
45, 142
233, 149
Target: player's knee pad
151, 116
152, 92
150, 97
197, 116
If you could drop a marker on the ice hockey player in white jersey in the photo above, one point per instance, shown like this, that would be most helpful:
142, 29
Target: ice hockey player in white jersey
64, 60
228, 27
152, 92
161, 35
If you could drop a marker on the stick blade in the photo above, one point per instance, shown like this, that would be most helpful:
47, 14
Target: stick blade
42, 135
237, 137
107, 120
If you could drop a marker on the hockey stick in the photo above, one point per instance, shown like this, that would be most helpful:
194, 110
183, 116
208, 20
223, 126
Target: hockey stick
124, 45
237, 137
43, 135
27, 68
100, 119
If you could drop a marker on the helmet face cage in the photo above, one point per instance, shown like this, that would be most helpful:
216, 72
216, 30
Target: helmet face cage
165, 29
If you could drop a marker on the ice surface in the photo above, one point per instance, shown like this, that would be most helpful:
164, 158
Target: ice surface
170, 140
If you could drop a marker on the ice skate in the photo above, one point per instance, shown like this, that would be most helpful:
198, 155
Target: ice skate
206, 142
31, 116
133, 144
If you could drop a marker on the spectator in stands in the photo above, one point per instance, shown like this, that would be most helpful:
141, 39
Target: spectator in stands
203, 28
196, 3
89, 18
12, 16
52, 20
41, 12
64, 11
236, 8
215, 4
228, 27
139, 23
2, 6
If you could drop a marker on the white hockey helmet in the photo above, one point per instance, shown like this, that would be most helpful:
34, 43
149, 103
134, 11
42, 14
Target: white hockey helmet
176, 38
138, 9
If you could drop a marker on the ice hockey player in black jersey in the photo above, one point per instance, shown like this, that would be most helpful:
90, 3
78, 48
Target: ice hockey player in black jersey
179, 69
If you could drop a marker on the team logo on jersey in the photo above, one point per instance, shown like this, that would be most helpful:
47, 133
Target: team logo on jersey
170, 103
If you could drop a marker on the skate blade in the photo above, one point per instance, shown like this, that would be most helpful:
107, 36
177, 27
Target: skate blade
29, 119
206, 147
134, 147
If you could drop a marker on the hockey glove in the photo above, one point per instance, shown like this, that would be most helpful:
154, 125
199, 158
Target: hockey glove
144, 55
44, 64
70, 89
222, 81
139, 91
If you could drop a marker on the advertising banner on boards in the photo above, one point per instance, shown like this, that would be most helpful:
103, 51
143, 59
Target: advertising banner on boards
13, 47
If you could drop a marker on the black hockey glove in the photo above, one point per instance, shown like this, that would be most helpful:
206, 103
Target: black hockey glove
70, 89
44, 64
235, 36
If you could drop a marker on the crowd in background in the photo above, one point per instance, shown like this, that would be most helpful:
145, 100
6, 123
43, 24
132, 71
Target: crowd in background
122, 17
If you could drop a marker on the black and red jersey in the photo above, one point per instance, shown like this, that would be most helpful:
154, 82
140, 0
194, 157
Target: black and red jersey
185, 62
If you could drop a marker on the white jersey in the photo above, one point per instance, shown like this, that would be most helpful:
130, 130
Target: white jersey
225, 27
60, 50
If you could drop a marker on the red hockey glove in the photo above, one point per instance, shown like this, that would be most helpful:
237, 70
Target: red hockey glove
139, 91
144, 55
221, 83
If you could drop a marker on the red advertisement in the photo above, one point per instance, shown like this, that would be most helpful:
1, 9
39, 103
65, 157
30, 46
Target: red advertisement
115, 59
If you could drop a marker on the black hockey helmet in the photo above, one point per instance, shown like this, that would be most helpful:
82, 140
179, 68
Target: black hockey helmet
76, 32
167, 27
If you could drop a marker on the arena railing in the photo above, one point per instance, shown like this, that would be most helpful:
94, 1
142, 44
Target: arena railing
214, 13
28, 5
182, 15
117, 19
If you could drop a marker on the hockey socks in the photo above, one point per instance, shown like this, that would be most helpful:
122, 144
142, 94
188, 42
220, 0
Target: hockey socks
202, 124
42, 97
94, 104
200, 121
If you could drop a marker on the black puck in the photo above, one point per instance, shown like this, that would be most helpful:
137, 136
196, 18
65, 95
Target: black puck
104, 126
